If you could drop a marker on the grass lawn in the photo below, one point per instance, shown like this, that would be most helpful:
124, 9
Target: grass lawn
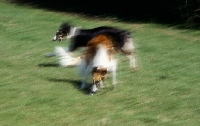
35, 91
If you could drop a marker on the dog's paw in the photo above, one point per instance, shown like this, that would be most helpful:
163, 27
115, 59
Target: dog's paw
91, 93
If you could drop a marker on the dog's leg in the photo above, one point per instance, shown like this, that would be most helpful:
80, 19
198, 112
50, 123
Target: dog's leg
129, 49
113, 71
93, 89
132, 61
101, 84
114, 80
50, 54
67, 49
86, 73
84, 81
83, 84
82, 71
54, 53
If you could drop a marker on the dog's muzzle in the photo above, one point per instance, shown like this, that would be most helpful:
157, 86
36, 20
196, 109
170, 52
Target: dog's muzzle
59, 38
54, 38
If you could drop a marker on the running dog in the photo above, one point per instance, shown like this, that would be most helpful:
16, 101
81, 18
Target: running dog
81, 37
98, 60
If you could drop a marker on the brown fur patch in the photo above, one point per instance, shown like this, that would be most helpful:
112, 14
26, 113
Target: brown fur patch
92, 46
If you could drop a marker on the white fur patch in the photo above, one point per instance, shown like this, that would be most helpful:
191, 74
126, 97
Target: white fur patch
65, 59
72, 32
101, 58
128, 46
54, 38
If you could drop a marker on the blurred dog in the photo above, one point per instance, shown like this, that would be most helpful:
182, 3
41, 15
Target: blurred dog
80, 38
98, 60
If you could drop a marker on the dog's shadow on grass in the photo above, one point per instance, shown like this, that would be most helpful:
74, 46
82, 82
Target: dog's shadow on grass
53, 65
48, 65
75, 83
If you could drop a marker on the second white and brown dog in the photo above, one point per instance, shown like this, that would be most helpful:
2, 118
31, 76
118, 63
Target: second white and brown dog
98, 61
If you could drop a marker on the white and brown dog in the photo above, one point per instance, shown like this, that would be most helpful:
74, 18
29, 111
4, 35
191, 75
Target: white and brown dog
80, 38
98, 60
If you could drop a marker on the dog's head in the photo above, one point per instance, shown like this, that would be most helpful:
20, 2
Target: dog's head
98, 75
63, 32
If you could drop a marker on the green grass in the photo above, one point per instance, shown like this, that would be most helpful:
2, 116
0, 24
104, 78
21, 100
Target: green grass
35, 91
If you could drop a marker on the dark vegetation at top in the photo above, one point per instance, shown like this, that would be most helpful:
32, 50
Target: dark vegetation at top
160, 11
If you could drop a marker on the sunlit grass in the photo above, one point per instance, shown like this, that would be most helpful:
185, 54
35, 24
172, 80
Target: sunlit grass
35, 91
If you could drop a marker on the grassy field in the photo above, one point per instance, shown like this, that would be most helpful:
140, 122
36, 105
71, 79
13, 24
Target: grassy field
35, 91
